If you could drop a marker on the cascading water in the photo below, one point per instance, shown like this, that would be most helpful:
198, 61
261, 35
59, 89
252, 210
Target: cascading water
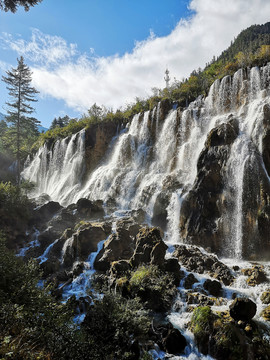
155, 164
58, 170
155, 160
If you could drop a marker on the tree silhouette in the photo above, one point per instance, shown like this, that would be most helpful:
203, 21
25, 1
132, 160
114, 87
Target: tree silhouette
12, 5
21, 93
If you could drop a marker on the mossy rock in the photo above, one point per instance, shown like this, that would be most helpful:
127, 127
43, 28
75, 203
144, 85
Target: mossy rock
201, 325
265, 297
266, 313
154, 287
223, 338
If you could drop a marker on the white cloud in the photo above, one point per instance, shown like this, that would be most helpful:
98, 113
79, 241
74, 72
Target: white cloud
42, 48
113, 81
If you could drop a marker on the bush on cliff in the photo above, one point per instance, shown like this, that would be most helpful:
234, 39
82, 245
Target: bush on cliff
154, 287
116, 326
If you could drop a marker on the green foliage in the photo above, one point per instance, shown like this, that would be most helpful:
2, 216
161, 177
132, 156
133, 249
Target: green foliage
201, 322
115, 323
227, 338
12, 200
23, 127
32, 324
12, 5
154, 287
60, 132
60, 122
146, 356
248, 41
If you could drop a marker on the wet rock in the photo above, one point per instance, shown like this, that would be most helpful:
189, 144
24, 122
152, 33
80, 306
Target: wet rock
45, 212
213, 287
265, 297
256, 275
174, 342
243, 309
194, 260
86, 239
138, 216
158, 253
266, 138
172, 266
266, 313
62, 276
150, 248
87, 208
189, 281
64, 219
119, 268
97, 140
119, 246
80, 305
84, 242
128, 224
166, 336
160, 214
50, 266
77, 269
264, 219
42, 199
199, 299
45, 239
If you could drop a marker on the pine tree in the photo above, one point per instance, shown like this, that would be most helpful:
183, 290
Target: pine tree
21, 94
12, 5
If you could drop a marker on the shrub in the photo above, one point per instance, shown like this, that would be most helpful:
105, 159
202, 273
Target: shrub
154, 287
115, 325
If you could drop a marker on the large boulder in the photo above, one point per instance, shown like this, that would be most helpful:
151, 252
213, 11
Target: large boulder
150, 248
44, 213
174, 342
195, 260
172, 267
83, 242
213, 287
119, 246
243, 309
87, 208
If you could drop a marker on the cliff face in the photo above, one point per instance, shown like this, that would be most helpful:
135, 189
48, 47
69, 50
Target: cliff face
97, 140
206, 215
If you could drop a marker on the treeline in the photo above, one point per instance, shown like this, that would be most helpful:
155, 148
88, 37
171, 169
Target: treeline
248, 41
180, 92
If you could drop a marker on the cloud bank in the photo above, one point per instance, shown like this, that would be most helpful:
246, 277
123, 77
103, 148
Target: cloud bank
60, 71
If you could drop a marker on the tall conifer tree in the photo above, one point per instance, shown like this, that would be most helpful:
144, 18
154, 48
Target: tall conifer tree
12, 5
21, 94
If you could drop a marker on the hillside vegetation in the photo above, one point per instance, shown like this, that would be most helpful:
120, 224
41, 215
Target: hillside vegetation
250, 48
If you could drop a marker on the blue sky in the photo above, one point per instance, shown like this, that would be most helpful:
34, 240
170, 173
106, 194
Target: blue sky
110, 51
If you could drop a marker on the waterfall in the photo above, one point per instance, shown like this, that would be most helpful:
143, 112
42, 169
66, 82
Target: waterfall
57, 170
154, 161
